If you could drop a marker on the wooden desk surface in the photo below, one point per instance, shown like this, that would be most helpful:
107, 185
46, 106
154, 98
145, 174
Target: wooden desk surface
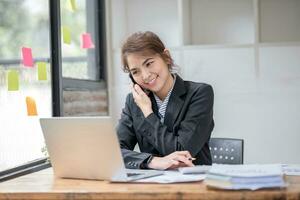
42, 185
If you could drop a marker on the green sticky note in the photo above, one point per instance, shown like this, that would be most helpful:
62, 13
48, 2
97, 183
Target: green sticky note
42, 71
73, 5
13, 80
66, 35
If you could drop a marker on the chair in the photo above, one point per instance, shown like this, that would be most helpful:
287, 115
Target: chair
226, 150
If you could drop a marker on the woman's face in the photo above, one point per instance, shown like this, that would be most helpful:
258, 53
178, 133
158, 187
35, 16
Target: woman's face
150, 72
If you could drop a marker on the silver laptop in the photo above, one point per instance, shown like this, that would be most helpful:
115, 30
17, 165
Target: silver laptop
87, 148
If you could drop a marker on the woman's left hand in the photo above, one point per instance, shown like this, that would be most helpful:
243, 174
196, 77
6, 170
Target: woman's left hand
142, 100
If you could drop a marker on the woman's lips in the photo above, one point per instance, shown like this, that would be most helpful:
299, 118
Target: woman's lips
151, 83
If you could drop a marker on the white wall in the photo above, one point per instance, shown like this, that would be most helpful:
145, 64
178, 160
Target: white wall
257, 86
263, 110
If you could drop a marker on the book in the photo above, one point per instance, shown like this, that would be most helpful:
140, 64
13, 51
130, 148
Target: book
291, 169
251, 177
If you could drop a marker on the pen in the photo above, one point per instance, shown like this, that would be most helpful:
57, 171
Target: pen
188, 159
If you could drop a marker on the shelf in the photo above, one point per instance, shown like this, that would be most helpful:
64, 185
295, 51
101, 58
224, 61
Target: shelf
218, 22
278, 44
248, 50
279, 20
155, 15
208, 23
207, 46
217, 46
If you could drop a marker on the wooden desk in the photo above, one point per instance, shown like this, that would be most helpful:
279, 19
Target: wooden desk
42, 185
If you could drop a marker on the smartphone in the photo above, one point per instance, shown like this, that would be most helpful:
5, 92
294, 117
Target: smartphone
134, 82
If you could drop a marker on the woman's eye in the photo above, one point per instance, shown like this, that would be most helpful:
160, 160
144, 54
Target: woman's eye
135, 73
149, 63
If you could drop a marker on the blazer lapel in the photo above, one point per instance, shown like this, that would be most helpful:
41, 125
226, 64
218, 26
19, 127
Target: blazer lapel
175, 103
154, 105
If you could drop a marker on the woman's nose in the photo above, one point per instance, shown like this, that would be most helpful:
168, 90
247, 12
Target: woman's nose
145, 74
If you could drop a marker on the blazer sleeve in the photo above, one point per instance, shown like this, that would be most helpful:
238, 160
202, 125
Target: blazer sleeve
193, 131
128, 140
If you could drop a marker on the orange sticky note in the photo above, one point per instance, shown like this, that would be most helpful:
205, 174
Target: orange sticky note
31, 106
12, 80
87, 42
27, 57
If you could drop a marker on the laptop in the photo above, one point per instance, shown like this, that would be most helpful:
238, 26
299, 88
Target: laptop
87, 148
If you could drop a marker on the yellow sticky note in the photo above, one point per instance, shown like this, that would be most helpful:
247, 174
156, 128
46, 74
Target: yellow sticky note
73, 5
42, 71
13, 80
31, 106
66, 35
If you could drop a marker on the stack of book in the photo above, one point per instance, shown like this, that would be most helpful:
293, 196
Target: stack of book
249, 177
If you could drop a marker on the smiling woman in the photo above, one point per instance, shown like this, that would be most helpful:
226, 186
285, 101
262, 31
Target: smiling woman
151, 73
173, 123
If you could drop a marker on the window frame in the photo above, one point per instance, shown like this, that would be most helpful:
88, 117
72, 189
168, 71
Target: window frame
100, 53
58, 83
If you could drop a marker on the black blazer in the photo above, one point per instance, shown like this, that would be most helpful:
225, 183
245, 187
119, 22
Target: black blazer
188, 124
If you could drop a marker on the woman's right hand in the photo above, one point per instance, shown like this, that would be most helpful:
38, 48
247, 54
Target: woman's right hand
172, 161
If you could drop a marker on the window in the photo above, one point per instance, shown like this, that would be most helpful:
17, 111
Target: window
31, 24
23, 24
84, 88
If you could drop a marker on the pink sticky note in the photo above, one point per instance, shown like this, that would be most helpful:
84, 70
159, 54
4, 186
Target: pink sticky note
27, 57
87, 42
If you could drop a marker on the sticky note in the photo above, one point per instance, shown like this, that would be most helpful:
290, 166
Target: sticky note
31, 106
42, 71
73, 5
27, 57
87, 42
66, 35
13, 80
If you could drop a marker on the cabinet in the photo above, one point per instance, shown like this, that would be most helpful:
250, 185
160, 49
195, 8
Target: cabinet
279, 21
182, 23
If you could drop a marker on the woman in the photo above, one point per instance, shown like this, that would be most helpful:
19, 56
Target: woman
169, 118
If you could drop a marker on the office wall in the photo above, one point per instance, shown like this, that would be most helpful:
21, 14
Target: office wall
257, 90
264, 110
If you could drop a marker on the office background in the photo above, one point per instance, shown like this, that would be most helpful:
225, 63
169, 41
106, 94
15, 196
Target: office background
248, 50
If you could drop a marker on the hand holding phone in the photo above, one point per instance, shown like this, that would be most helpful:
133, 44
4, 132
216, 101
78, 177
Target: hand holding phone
142, 100
134, 82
